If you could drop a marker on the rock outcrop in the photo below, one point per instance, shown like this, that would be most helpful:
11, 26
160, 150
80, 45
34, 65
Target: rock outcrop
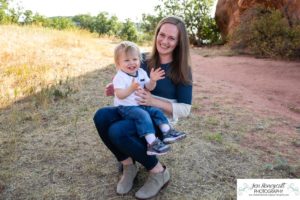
228, 12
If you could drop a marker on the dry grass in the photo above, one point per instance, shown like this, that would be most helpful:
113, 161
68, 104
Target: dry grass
214, 51
49, 148
33, 58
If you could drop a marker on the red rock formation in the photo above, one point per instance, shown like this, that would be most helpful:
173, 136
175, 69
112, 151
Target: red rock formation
228, 12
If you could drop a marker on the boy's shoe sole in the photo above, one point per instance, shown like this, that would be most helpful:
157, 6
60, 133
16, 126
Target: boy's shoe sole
151, 153
172, 140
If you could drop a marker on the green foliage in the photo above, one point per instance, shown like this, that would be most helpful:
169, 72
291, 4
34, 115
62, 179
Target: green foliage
214, 137
14, 15
9, 15
266, 32
40, 20
114, 26
128, 31
84, 22
201, 27
148, 25
3, 10
61, 23
104, 25
101, 23
28, 17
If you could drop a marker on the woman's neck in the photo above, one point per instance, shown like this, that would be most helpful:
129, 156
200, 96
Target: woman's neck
164, 59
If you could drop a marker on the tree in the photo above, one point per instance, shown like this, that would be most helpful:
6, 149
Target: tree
3, 11
85, 22
196, 14
61, 23
128, 31
14, 14
28, 17
40, 20
114, 26
149, 23
101, 23
105, 25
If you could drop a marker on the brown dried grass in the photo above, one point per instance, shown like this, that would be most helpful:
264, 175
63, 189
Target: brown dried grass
49, 148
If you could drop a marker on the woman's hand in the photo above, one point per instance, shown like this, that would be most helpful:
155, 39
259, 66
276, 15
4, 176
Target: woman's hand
144, 97
109, 90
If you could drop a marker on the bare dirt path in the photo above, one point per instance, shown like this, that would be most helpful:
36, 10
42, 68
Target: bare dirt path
267, 88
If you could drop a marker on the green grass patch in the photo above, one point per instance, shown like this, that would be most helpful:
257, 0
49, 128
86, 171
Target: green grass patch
214, 137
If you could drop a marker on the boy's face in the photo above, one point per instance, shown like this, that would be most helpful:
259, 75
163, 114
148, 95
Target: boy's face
129, 62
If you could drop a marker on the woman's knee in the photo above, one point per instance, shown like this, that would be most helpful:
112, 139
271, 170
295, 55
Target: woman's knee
97, 116
106, 115
114, 134
121, 132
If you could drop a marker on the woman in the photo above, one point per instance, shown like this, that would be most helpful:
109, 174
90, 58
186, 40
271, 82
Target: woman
173, 95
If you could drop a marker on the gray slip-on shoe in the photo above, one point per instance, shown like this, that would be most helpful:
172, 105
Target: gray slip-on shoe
154, 183
126, 182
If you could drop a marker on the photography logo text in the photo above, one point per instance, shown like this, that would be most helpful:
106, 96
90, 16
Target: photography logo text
282, 189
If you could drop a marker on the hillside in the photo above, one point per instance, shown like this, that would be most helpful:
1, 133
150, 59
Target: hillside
52, 82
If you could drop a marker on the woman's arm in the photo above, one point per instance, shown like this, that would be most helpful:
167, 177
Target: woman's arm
146, 99
165, 105
173, 109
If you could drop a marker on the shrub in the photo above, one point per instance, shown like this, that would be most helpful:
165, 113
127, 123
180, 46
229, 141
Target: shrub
266, 32
128, 31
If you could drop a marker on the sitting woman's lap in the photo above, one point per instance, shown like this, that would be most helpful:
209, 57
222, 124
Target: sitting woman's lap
121, 138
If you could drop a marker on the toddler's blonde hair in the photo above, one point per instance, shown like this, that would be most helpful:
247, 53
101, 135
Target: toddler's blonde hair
127, 47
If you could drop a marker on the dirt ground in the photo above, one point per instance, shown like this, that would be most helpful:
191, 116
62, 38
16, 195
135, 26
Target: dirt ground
269, 88
245, 123
266, 86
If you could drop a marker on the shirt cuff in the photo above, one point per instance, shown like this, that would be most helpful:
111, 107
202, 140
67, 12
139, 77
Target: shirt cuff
180, 110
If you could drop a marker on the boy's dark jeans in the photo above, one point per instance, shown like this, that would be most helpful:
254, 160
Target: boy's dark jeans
143, 117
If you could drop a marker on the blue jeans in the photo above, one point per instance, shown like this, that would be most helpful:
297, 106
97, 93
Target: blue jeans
120, 137
143, 117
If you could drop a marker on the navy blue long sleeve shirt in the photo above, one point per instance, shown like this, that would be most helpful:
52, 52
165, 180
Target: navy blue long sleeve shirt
167, 89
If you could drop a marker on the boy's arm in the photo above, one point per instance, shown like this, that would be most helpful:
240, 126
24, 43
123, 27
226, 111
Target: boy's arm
155, 75
150, 85
123, 93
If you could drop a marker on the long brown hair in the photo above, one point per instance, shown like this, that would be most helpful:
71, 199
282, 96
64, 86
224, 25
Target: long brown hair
180, 71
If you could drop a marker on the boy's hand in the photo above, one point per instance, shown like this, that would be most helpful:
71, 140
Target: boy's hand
157, 74
134, 85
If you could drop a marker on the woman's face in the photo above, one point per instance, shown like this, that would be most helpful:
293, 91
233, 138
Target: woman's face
167, 39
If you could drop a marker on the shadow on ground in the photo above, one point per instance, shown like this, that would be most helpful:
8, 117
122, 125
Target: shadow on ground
50, 148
